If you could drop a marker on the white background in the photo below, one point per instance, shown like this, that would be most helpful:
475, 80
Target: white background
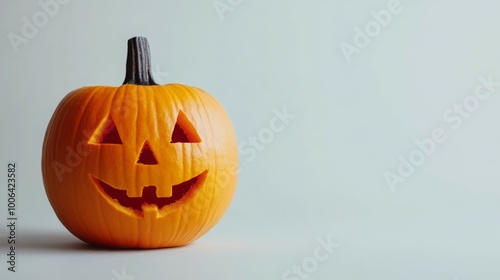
321, 176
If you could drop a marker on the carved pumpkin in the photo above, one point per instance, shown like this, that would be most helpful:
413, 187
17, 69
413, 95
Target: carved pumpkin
140, 165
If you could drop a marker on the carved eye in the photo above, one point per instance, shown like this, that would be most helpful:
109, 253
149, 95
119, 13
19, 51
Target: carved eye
106, 133
184, 131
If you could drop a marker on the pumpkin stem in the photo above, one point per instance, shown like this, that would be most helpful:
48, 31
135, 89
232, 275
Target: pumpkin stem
139, 63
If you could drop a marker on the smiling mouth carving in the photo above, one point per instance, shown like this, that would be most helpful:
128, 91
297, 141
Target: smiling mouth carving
149, 196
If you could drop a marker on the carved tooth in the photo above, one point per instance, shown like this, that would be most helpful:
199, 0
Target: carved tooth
150, 211
164, 191
133, 191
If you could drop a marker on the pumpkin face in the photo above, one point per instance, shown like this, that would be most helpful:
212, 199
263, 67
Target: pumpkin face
139, 166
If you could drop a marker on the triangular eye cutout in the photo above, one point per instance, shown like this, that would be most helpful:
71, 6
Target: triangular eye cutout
184, 131
106, 133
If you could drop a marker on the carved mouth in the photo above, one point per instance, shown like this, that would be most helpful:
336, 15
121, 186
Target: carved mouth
149, 196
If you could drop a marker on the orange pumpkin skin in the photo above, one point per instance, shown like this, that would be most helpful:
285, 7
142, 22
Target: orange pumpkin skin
83, 173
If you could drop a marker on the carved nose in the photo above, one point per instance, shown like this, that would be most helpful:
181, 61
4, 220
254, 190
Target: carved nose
146, 156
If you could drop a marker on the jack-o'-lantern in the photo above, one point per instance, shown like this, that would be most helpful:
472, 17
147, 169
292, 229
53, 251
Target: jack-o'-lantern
140, 165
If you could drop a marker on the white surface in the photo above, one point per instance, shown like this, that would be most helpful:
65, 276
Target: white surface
323, 175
